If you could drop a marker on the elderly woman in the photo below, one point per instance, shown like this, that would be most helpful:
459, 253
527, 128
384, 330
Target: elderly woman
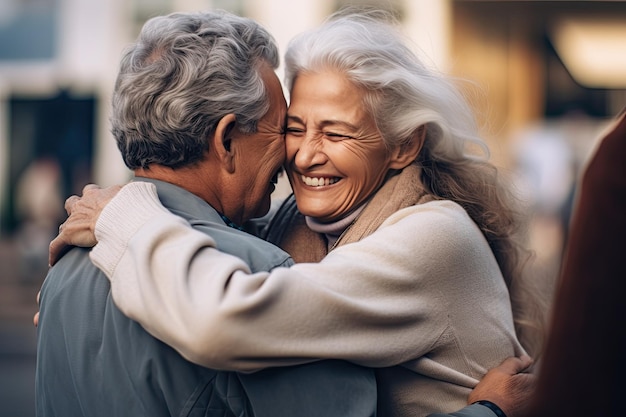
413, 234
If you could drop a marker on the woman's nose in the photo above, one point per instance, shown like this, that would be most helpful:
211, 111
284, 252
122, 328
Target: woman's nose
310, 151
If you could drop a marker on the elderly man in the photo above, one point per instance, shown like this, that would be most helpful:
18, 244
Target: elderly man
199, 112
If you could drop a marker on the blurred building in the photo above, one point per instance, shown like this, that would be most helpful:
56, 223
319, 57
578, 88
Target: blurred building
529, 63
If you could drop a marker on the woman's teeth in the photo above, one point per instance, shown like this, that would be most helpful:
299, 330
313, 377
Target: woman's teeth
318, 182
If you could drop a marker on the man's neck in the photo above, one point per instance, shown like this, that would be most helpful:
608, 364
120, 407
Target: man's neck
191, 179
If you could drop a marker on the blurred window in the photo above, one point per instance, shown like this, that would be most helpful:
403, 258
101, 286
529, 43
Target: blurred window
28, 29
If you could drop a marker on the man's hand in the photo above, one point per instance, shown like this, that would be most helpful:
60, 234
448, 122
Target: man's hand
510, 386
83, 213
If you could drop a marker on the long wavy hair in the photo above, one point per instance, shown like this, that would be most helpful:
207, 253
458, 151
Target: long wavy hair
404, 96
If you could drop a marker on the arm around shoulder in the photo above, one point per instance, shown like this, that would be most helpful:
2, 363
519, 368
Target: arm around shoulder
135, 205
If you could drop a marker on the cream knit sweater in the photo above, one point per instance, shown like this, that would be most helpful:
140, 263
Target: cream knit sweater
422, 297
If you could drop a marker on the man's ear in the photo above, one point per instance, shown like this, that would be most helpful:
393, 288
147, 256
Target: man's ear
404, 155
222, 141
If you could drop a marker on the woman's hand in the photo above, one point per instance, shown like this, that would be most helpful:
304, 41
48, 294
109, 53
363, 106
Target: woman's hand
83, 213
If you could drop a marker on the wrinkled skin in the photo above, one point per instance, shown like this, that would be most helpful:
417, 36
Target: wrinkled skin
83, 212
510, 386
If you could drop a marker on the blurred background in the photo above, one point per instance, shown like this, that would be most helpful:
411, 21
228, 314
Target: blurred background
545, 78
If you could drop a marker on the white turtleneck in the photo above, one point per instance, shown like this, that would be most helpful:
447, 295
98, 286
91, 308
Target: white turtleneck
333, 230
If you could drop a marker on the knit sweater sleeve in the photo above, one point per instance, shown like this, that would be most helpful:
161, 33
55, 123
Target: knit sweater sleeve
378, 302
137, 203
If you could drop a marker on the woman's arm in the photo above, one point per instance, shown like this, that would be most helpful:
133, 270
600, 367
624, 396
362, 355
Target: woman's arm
365, 302
185, 305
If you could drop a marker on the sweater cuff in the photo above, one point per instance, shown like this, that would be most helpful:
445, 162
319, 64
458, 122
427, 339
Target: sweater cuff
135, 204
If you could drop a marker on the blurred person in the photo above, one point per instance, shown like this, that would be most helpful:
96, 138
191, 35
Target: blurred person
39, 211
419, 237
582, 373
197, 113
546, 169
545, 163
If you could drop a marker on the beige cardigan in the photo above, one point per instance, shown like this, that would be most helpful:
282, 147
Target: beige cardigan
421, 297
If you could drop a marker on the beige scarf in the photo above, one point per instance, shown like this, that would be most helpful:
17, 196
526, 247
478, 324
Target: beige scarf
288, 228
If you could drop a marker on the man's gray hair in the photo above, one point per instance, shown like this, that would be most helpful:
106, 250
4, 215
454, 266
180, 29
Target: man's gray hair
183, 74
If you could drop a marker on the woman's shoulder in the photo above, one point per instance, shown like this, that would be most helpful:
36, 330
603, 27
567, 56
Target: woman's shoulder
439, 226
436, 212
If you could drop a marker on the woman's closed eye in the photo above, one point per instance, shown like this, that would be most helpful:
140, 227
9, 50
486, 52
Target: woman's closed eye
296, 131
337, 136
334, 136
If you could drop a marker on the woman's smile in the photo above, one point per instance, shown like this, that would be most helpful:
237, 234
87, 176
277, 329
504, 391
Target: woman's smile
336, 157
320, 181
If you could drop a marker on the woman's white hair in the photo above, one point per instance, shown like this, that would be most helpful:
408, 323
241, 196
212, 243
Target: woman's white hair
401, 93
